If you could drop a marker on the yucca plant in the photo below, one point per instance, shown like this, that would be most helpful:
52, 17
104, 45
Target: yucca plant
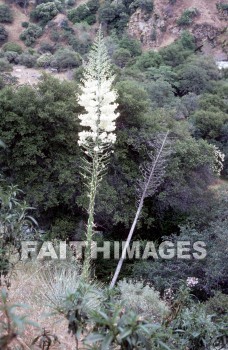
98, 99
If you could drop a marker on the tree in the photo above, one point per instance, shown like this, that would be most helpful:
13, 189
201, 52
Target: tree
209, 124
149, 59
121, 57
161, 93
131, 44
40, 129
175, 54
133, 101
193, 79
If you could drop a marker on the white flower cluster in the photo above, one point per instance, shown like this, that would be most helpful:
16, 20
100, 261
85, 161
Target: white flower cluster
98, 100
192, 281
219, 159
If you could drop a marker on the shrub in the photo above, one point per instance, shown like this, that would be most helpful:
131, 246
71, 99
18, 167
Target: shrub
187, 17
221, 6
143, 300
145, 5
25, 24
218, 306
65, 58
30, 34
70, 3
85, 12
44, 60
46, 47
114, 15
80, 44
12, 57
5, 14
196, 328
210, 271
91, 19
45, 12
13, 47
3, 34
28, 60
4, 65
187, 40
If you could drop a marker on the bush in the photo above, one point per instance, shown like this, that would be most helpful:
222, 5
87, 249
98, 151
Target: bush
12, 57
6, 15
196, 328
3, 34
91, 19
211, 271
46, 47
114, 15
132, 45
187, 17
4, 65
145, 5
85, 12
221, 6
65, 58
25, 24
143, 300
218, 306
13, 47
45, 12
30, 34
28, 60
44, 60
187, 40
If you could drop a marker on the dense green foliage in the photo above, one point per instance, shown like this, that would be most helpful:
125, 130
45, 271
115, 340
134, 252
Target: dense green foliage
6, 15
177, 88
30, 34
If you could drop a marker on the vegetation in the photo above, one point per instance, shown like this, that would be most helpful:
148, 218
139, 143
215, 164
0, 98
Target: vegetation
136, 143
30, 34
187, 17
6, 15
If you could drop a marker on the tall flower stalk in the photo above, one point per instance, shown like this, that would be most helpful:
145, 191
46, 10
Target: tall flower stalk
98, 99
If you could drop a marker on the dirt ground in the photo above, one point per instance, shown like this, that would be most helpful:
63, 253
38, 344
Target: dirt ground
27, 290
31, 75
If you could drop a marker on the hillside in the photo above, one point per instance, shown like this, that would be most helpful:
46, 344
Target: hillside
161, 29
156, 28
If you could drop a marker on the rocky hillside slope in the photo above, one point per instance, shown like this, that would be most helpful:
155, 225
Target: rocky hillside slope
208, 24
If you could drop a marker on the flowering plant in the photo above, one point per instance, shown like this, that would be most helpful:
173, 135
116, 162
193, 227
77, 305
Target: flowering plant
98, 99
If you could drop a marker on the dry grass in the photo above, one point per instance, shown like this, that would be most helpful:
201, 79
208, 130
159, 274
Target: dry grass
27, 289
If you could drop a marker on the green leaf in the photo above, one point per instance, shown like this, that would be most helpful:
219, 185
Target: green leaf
107, 341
